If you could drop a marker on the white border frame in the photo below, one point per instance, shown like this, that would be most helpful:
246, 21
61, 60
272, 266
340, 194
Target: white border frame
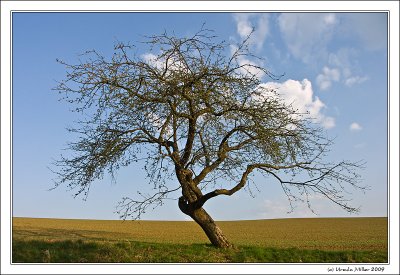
198, 6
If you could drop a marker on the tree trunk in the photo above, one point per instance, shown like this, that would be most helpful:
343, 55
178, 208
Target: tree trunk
213, 232
201, 217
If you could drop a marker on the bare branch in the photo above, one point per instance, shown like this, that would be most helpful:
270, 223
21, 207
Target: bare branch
130, 208
202, 118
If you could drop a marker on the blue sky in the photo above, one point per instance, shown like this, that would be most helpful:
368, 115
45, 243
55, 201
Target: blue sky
335, 66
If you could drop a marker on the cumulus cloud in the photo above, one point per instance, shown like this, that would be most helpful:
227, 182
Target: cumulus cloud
306, 35
301, 96
152, 60
355, 127
355, 80
245, 22
324, 80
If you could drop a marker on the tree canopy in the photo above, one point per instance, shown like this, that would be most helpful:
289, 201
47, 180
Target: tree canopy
196, 107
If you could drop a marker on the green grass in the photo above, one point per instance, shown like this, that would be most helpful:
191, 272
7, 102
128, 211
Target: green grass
79, 251
318, 240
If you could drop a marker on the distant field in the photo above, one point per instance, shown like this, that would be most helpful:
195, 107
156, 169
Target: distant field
362, 236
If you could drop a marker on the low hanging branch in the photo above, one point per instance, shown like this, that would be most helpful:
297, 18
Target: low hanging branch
204, 120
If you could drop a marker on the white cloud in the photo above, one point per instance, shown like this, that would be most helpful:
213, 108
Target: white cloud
369, 28
301, 96
325, 79
280, 208
342, 58
308, 37
275, 209
345, 60
307, 34
152, 60
355, 80
248, 66
328, 122
245, 22
174, 64
329, 19
355, 127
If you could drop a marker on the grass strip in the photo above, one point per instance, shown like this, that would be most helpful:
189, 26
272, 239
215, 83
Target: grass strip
79, 251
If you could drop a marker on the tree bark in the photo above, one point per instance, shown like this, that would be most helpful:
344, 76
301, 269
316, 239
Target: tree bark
202, 218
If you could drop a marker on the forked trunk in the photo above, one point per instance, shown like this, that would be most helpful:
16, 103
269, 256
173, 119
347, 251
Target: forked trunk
213, 232
201, 217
